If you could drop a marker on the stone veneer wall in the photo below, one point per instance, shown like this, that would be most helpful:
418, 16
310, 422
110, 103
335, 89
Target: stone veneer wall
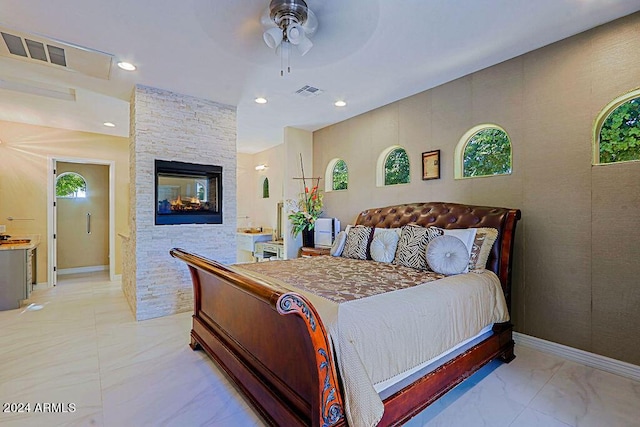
170, 126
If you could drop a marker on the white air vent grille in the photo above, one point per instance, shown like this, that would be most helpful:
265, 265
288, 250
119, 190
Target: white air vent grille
33, 49
40, 50
309, 91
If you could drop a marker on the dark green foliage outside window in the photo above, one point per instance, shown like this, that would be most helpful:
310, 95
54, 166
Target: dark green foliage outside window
71, 185
620, 133
488, 152
396, 167
265, 188
340, 175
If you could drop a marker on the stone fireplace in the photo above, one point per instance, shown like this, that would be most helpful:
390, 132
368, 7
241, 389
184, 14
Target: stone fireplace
180, 132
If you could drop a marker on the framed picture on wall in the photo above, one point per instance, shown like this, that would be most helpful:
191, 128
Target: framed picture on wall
431, 165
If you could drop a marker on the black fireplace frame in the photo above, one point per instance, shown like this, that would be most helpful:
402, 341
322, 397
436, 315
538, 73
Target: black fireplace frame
188, 217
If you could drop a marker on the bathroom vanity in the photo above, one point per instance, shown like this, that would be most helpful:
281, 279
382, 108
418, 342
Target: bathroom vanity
17, 271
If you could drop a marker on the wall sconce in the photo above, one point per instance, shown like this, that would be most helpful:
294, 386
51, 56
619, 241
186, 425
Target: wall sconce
261, 167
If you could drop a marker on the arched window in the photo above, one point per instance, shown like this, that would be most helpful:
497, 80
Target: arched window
485, 150
71, 185
265, 188
336, 176
394, 166
617, 130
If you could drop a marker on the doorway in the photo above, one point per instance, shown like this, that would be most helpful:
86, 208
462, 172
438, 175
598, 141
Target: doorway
81, 218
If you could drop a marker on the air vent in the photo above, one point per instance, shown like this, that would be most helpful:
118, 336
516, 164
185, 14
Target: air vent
309, 91
35, 49
41, 50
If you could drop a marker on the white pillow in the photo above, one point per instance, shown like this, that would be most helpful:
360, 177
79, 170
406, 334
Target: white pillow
447, 255
383, 246
378, 231
338, 244
467, 235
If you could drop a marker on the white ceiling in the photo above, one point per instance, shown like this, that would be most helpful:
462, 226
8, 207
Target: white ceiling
367, 52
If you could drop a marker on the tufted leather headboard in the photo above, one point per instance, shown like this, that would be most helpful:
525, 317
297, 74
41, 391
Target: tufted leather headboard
455, 215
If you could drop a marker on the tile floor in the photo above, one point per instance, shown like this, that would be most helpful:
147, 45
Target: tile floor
84, 347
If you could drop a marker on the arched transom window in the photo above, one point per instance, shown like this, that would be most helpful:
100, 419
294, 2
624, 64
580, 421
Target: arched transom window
71, 185
485, 150
617, 130
393, 167
336, 176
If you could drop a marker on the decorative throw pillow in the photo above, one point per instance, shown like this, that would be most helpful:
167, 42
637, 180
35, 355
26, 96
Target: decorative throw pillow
412, 245
357, 243
482, 244
447, 255
378, 231
467, 235
338, 244
383, 246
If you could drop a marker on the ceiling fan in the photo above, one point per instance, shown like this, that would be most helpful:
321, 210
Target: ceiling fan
288, 23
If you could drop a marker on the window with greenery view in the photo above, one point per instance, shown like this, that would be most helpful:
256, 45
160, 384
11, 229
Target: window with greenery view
487, 152
340, 176
71, 185
619, 135
265, 188
396, 167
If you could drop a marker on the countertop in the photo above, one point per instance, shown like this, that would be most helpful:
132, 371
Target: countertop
35, 241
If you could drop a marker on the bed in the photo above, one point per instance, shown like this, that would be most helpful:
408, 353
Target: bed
273, 344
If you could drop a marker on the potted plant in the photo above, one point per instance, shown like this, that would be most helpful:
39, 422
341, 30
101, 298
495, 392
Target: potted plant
305, 213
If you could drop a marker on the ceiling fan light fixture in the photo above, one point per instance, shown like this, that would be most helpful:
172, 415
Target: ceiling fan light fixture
304, 46
295, 34
273, 37
288, 22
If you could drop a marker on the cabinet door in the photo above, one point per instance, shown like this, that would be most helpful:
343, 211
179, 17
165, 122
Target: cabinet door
13, 278
245, 242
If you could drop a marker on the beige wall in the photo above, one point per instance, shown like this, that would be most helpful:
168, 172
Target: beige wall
75, 247
283, 167
261, 212
576, 270
24, 153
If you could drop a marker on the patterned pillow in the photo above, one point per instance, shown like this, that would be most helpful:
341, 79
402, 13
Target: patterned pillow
482, 244
412, 245
357, 244
383, 246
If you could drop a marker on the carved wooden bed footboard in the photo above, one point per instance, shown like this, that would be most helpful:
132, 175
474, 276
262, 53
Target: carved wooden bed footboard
276, 350
272, 344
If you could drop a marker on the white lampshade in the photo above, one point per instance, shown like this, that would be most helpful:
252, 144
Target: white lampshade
304, 46
295, 34
273, 37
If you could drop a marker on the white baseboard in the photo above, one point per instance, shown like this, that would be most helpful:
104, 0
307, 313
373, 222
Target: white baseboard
117, 277
597, 361
89, 269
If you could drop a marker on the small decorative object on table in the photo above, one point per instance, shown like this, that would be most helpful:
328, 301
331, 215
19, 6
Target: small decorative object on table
303, 216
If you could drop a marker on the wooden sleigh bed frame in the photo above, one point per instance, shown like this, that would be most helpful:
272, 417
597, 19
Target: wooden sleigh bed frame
274, 347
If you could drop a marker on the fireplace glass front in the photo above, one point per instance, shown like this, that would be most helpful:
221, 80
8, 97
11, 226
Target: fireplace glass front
188, 193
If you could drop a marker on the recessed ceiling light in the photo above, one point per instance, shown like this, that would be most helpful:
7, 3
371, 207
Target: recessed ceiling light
109, 124
127, 66
261, 100
339, 103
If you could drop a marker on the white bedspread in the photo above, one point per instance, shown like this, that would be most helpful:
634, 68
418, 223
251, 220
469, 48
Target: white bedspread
381, 336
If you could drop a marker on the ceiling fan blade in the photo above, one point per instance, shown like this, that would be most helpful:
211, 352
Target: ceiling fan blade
311, 24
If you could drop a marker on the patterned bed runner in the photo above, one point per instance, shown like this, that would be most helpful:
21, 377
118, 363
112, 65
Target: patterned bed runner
342, 279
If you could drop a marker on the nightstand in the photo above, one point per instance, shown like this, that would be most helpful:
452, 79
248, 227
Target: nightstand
306, 251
